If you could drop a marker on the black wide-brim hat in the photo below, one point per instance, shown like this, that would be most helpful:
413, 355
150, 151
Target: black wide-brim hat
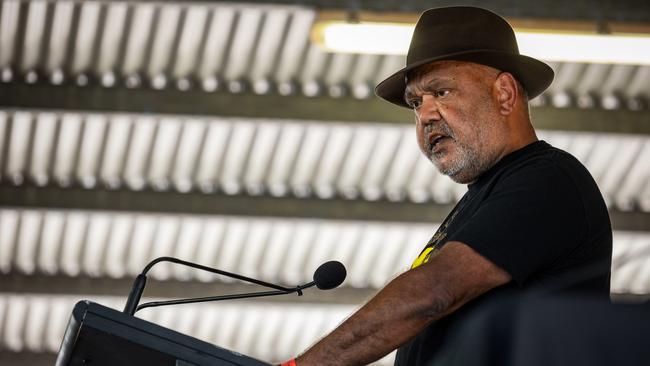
463, 33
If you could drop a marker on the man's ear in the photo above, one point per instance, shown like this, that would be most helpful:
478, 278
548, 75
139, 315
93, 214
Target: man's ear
507, 92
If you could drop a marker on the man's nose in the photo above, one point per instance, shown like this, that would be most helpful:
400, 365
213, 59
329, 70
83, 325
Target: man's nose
428, 111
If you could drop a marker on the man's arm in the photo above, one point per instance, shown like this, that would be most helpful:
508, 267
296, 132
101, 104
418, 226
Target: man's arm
451, 277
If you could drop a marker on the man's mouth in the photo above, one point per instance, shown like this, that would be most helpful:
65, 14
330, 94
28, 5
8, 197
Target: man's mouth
436, 140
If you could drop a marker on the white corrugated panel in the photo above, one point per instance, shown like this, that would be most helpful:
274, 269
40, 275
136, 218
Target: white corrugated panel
276, 157
228, 46
97, 243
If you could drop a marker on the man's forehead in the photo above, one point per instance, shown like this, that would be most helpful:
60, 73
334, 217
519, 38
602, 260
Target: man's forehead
438, 70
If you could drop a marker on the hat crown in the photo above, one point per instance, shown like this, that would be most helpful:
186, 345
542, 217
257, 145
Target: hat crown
467, 34
444, 31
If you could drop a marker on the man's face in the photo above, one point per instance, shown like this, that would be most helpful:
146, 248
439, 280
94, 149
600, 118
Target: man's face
458, 124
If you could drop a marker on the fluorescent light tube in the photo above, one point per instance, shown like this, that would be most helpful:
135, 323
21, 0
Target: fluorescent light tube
394, 38
367, 38
608, 49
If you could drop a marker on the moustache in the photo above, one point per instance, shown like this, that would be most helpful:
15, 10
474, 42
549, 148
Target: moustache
440, 128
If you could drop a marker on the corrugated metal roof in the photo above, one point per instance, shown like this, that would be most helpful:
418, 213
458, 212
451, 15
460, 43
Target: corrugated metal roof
274, 157
231, 47
109, 244
96, 243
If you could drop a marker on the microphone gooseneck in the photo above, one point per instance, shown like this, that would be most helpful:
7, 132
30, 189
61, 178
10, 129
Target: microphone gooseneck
328, 276
136, 293
138, 285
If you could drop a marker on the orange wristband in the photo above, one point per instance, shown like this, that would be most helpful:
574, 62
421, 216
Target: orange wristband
291, 362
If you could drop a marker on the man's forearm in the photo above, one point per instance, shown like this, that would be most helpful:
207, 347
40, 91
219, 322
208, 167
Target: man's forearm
395, 315
453, 276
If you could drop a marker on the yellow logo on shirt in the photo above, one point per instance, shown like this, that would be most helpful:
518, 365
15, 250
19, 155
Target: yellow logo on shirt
423, 257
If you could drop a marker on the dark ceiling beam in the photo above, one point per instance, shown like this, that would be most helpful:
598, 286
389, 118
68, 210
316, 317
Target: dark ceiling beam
597, 10
196, 102
594, 120
28, 196
219, 204
18, 283
624, 10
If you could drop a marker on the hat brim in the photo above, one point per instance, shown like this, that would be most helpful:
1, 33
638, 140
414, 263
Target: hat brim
534, 75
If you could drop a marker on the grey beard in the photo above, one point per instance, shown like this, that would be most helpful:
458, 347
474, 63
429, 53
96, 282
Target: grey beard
469, 164
465, 169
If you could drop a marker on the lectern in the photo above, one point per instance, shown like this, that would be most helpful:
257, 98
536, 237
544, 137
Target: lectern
100, 336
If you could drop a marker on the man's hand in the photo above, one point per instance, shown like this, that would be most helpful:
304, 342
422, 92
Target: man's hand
451, 277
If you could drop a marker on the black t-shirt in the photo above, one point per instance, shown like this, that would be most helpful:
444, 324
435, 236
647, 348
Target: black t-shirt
538, 215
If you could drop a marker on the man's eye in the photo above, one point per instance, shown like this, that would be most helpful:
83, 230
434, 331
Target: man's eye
441, 93
414, 103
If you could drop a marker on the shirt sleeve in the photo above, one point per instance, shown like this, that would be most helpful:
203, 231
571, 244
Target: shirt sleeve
533, 217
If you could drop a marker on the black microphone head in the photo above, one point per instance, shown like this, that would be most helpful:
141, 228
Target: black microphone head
330, 275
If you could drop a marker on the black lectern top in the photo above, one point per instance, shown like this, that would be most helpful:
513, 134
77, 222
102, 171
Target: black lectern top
101, 336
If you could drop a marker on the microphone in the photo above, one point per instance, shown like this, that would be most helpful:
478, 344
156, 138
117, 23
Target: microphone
327, 276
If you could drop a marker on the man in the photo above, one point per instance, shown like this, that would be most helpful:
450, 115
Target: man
532, 217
